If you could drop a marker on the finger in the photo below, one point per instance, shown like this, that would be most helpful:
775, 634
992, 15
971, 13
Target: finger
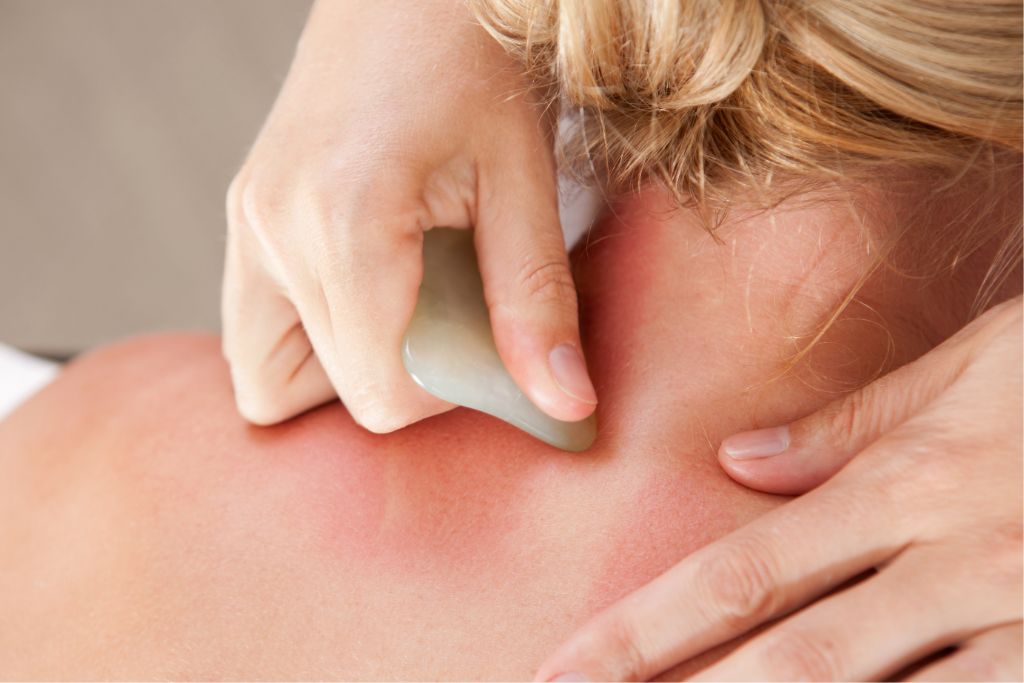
274, 371
761, 571
995, 655
529, 288
794, 458
356, 308
905, 612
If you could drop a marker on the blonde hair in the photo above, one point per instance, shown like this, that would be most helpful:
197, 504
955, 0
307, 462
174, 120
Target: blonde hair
710, 95
698, 91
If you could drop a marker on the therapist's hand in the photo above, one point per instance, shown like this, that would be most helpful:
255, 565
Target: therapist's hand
396, 117
917, 476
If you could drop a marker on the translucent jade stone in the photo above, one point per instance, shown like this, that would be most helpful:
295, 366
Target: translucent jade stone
449, 350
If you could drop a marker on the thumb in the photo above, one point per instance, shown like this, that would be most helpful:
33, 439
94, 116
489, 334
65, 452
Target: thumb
793, 459
530, 291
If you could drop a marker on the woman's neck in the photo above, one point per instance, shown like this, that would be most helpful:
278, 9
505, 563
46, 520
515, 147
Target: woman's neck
774, 315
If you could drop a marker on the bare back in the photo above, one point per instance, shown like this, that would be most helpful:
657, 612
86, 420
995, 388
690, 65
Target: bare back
150, 533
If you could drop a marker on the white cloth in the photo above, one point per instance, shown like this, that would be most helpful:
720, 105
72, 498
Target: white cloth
578, 208
21, 375
578, 205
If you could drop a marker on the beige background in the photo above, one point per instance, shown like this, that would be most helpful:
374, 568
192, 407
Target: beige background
121, 124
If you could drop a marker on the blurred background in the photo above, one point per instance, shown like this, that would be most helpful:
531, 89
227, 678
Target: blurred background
121, 124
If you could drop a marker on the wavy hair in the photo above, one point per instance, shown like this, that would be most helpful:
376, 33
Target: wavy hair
709, 96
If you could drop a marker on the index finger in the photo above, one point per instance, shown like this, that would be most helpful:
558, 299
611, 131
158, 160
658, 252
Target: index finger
529, 288
763, 570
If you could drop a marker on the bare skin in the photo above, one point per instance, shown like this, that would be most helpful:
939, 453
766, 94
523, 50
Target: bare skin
157, 535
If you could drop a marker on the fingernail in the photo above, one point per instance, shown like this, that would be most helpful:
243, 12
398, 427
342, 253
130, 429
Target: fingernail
570, 373
760, 443
574, 676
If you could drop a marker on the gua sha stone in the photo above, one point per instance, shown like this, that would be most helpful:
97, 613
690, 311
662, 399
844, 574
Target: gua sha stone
449, 350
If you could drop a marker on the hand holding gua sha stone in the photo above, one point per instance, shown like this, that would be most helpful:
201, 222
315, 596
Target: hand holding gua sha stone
449, 349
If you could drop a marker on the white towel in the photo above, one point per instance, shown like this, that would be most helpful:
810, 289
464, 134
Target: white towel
21, 375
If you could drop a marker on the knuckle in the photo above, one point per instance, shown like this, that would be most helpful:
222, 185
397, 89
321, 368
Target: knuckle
736, 585
624, 638
798, 656
262, 377
255, 396
850, 417
375, 410
253, 203
547, 281
376, 421
259, 406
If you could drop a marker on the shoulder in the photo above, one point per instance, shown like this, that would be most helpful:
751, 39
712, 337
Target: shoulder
155, 366
120, 384
150, 351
